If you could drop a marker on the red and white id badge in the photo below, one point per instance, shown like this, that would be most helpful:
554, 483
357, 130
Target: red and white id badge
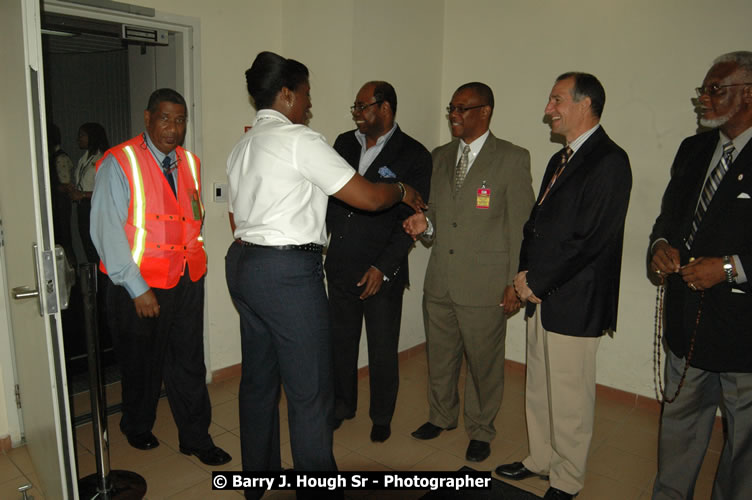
483, 199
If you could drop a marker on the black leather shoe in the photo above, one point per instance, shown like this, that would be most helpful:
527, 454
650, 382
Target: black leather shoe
477, 451
145, 441
516, 471
557, 494
210, 456
338, 421
380, 433
429, 431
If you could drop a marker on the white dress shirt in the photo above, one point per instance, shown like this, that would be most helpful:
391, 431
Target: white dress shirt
280, 177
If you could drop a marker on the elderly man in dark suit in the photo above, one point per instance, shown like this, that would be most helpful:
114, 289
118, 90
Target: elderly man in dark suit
366, 263
569, 271
702, 247
481, 193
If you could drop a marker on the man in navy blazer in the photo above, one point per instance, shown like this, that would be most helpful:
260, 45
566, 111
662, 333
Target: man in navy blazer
570, 264
702, 250
366, 262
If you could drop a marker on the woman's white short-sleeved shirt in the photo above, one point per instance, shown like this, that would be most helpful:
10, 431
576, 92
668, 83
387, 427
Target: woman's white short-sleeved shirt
280, 177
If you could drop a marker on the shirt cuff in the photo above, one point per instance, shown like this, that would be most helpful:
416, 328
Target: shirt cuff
136, 286
741, 276
428, 233
652, 247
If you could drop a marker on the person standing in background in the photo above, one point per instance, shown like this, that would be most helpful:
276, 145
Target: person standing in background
702, 250
569, 271
280, 175
366, 261
481, 193
146, 225
92, 138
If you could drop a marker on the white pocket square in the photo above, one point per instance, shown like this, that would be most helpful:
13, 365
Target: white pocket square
743, 196
736, 290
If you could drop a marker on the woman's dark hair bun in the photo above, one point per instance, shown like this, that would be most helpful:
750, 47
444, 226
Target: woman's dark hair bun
269, 73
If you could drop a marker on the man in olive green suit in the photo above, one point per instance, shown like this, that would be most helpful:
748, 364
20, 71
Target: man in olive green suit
481, 195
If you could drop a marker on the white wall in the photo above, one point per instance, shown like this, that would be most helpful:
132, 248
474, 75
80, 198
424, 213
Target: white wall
649, 56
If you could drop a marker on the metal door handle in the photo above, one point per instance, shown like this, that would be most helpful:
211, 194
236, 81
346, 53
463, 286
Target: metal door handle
25, 292
46, 280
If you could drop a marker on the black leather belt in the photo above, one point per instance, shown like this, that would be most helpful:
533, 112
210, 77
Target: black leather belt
308, 247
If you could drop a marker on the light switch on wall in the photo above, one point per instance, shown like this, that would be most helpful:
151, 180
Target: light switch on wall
220, 192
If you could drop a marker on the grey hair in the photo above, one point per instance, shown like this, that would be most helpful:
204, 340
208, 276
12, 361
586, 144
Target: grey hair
742, 58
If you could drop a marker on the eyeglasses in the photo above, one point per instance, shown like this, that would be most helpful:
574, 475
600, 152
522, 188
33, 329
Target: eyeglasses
359, 108
461, 109
715, 89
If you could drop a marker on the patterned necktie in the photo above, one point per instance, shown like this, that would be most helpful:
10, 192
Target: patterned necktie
709, 189
167, 170
565, 154
461, 171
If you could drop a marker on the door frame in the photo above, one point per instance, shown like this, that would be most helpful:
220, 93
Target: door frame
189, 28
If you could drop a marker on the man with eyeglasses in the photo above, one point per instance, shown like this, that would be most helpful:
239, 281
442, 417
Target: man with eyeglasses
701, 251
366, 262
481, 194
570, 265
146, 219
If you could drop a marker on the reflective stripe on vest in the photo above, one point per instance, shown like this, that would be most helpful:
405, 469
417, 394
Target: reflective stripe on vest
192, 167
139, 206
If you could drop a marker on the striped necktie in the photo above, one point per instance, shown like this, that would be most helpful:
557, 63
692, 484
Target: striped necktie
461, 171
709, 189
167, 171
565, 154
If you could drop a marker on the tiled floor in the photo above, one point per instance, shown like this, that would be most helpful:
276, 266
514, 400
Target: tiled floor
622, 456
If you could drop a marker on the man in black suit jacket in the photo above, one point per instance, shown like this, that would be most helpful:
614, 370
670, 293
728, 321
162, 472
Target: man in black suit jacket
366, 262
570, 264
702, 246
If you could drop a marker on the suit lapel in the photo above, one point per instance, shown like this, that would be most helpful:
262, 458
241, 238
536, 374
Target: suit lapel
479, 170
579, 158
727, 188
386, 157
351, 151
448, 163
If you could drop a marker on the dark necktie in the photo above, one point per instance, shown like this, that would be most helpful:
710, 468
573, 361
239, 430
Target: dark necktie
709, 189
167, 170
461, 171
565, 154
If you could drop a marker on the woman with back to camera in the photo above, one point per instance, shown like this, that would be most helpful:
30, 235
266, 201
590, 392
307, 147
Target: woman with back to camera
280, 176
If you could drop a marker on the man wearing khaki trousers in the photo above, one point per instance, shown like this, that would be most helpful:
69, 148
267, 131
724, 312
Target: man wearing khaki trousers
569, 270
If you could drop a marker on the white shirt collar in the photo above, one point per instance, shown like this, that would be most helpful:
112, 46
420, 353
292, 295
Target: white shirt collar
577, 143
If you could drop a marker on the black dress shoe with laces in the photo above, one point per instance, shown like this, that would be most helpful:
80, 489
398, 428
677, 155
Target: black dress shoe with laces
380, 433
557, 494
477, 451
516, 471
214, 455
429, 431
145, 441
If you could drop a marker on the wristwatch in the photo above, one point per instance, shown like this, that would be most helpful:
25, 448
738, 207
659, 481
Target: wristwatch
728, 269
